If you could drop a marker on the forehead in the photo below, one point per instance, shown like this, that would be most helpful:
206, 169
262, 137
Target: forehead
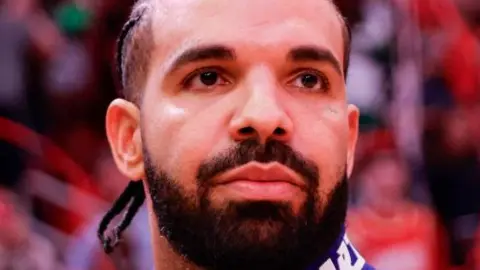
256, 24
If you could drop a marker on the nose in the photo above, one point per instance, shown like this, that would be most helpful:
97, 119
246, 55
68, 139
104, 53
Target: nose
261, 117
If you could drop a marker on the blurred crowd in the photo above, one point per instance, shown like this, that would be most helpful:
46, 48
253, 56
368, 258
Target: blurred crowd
415, 74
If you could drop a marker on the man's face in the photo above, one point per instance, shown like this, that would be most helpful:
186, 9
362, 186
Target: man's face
243, 136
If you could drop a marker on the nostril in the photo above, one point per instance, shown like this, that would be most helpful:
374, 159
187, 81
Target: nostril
279, 131
246, 131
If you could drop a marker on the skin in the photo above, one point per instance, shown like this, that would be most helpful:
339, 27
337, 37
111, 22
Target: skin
181, 126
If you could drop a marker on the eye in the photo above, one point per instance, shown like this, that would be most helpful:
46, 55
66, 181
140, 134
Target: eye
204, 79
311, 81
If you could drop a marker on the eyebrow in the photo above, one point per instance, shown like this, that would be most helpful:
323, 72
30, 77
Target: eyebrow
223, 53
313, 53
203, 53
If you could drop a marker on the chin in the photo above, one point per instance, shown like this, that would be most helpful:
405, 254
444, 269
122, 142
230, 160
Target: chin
261, 233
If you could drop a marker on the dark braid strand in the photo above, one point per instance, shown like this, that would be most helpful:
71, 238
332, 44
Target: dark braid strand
120, 46
132, 197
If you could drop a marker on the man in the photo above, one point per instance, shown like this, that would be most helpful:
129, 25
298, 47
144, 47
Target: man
235, 120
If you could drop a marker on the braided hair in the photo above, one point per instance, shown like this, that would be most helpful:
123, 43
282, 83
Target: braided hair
132, 199
134, 46
133, 196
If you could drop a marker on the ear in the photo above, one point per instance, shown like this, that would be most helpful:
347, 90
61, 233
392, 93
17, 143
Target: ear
124, 137
353, 123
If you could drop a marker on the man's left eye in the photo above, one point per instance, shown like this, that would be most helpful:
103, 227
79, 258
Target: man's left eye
310, 80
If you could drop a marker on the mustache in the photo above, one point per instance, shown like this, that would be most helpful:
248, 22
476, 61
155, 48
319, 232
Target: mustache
252, 150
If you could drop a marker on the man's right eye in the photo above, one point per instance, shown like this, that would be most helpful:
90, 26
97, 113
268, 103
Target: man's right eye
204, 79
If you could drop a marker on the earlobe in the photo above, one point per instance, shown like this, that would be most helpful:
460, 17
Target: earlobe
124, 137
353, 126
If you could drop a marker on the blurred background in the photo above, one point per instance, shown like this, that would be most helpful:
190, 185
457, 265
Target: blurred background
415, 74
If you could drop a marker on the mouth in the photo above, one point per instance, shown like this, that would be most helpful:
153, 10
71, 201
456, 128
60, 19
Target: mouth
258, 181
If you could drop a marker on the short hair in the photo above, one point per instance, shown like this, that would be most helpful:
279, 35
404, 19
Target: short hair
134, 47
135, 44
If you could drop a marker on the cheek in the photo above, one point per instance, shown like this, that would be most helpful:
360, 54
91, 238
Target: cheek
180, 138
322, 137
160, 125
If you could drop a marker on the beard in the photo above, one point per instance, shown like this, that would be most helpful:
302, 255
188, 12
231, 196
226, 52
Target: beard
247, 234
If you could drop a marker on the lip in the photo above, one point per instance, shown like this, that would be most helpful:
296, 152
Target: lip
273, 172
